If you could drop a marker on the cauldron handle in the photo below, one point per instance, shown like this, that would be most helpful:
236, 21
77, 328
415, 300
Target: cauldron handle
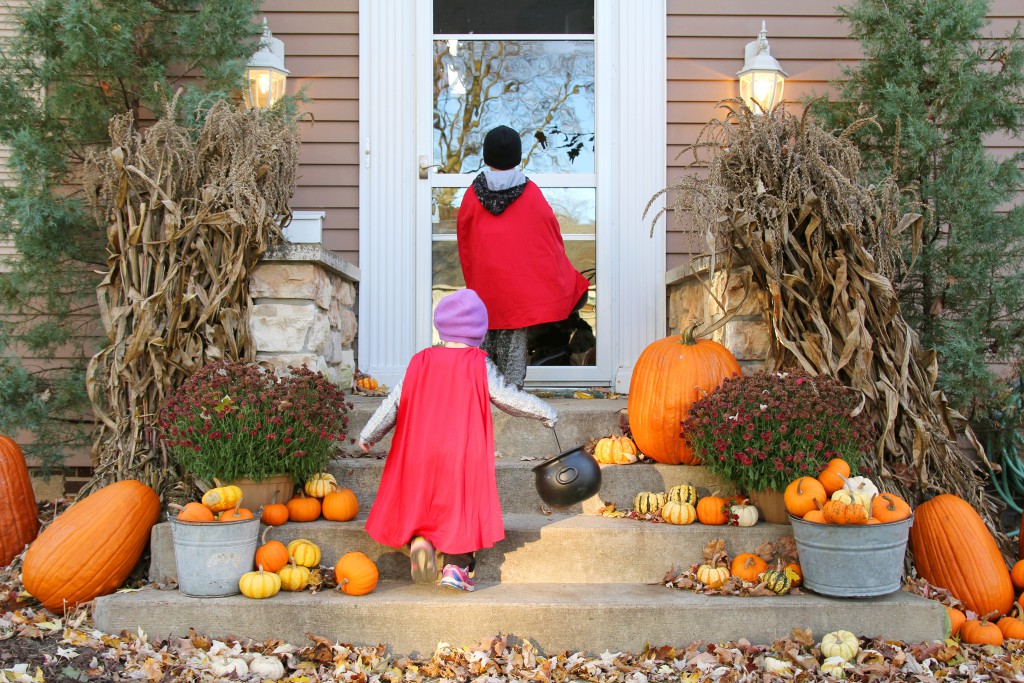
567, 479
558, 446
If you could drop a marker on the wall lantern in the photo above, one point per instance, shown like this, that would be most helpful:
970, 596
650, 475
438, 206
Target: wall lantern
265, 72
761, 78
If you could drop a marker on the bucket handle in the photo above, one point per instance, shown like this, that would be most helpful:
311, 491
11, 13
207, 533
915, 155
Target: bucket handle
567, 475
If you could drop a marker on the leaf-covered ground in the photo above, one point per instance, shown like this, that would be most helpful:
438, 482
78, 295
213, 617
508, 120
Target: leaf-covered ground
36, 645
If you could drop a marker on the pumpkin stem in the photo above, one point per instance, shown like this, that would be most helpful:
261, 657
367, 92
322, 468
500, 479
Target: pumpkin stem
175, 506
263, 536
688, 335
988, 616
342, 583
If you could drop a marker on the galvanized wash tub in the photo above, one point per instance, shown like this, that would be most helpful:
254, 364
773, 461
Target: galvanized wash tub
212, 556
852, 561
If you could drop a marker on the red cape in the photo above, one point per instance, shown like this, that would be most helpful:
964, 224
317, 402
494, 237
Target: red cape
439, 479
516, 261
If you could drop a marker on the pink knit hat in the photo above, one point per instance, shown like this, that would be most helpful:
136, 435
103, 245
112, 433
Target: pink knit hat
461, 317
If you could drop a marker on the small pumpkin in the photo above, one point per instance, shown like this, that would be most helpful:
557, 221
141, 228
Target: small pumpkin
1017, 575
684, 493
675, 512
861, 485
981, 632
294, 577
1011, 627
304, 552
743, 515
236, 514
302, 508
840, 512
850, 497
222, 498
616, 450
803, 495
320, 484
649, 502
272, 554
19, 516
340, 506
368, 383
777, 581
712, 576
193, 512
956, 620
795, 574
840, 644
836, 667
356, 574
274, 514
816, 516
712, 510
833, 476
259, 584
748, 567
888, 507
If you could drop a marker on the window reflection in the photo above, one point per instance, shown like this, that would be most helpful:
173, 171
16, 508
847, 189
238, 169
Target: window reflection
522, 16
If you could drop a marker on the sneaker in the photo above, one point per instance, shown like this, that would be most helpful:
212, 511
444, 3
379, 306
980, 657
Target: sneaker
456, 578
421, 557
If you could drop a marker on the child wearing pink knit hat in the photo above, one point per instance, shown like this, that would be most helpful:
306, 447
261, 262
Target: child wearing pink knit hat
438, 492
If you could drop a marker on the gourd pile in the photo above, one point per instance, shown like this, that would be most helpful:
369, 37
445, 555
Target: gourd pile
682, 504
320, 495
771, 569
836, 497
296, 567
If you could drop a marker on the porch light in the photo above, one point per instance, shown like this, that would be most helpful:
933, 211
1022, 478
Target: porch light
761, 78
265, 72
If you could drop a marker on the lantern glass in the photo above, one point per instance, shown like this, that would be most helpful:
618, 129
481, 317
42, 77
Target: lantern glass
266, 86
761, 90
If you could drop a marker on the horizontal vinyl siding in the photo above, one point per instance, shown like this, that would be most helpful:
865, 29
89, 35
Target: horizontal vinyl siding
705, 50
321, 42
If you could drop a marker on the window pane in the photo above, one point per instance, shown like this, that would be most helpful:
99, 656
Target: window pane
542, 88
520, 16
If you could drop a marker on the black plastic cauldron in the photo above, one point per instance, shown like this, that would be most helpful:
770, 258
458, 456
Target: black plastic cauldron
568, 478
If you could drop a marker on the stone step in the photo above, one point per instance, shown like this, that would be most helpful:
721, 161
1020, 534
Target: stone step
578, 422
517, 490
412, 619
537, 548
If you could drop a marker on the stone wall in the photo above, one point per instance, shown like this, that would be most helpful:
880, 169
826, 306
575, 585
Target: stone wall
304, 311
747, 334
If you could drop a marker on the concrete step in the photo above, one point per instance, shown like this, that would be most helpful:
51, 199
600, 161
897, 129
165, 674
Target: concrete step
517, 489
578, 422
537, 548
412, 619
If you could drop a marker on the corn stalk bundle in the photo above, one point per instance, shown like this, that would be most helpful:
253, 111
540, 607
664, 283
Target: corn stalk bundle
782, 195
188, 215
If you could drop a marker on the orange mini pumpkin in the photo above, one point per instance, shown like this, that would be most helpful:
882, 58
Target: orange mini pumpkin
1017, 575
274, 514
748, 567
981, 632
888, 507
1011, 627
272, 555
236, 514
712, 510
194, 512
956, 620
834, 475
340, 506
670, 375
803, 495
302, 508
356, 574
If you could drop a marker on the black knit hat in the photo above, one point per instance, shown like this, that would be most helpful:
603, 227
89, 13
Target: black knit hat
502, 148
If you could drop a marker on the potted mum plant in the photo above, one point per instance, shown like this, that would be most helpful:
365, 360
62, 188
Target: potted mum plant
238, 423
762, 430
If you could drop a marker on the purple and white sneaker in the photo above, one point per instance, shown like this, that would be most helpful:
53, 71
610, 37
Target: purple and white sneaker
456, 578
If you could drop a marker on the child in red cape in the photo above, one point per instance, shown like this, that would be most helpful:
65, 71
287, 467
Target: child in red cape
438, 490
512, 254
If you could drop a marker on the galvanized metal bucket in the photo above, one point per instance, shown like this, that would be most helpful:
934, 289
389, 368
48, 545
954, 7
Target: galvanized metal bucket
852, 561
211, 557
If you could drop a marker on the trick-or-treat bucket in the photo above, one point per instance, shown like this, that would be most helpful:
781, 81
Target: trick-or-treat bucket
854, 560
211, 557
568, 478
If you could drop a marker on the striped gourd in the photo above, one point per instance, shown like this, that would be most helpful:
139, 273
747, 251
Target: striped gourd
684, 493
648, 502
675, 512
777, 581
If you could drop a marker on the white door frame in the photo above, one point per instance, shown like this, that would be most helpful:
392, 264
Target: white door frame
395, 82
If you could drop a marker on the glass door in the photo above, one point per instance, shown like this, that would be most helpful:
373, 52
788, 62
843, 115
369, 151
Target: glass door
530, 66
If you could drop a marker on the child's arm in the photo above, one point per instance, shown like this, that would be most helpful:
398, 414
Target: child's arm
382, 420
515, 401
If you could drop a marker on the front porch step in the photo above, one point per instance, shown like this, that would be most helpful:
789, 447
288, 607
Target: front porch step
578, 422
517, 490
537, 548
556, 617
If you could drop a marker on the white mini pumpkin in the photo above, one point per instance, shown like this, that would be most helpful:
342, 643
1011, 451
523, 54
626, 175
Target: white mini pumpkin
743, 515
840, 644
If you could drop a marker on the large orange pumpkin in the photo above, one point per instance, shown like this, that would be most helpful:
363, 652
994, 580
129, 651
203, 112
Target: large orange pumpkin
19, 517
670, 375
91, 548
954, 549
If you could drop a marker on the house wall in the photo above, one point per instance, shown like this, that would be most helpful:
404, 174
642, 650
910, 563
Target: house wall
6, 30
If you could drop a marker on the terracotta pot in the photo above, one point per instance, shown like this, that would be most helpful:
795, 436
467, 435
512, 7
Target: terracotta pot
256, 494
771, 505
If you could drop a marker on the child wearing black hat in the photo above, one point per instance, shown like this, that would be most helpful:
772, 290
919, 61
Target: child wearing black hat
512, 254
438, 490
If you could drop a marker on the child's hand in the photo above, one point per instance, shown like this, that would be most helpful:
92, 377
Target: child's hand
365, 447
550, 424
